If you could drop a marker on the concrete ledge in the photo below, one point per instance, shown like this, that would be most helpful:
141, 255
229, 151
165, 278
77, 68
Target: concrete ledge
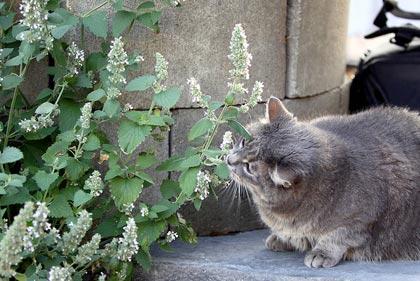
243, 257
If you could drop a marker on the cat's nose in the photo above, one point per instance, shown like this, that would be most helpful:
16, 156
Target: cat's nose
232, 159
229, 160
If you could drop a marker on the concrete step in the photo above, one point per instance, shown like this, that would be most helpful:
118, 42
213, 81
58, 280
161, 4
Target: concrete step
243, 257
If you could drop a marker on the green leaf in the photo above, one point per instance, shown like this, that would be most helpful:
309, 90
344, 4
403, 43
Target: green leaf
108, 228
60, 208
145, 176
171, 164
99, 114
57, 149
169, 189
222, 171
144, 259
200, 128
6, 52
131, 135
92, 143
59, 31
45, 93
113, 172
197, 204
81, 197
67, 17
144, 118
12, 180
125, 191
146, 160
231, 113
237, 127
69, 114
97, 23
190, 161
45, 108
53, 4
121, 21
10, 154
188, 181
26, 51
112, 107
20, 277
58, 53
149, 231
140, 83
150, 19
20, 197
146, 5
39, 134
83, 81
96, 95
11, 81
215, 105
75, 169
118, 4
14, 61
95, 61
168, 98
44, 179
7, 21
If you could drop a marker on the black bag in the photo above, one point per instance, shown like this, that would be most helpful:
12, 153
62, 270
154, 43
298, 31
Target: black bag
389, 75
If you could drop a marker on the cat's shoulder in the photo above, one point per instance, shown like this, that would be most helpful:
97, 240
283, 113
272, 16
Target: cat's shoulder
372, 117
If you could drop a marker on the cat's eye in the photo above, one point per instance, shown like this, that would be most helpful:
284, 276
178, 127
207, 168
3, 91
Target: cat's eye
247, 168
242, 143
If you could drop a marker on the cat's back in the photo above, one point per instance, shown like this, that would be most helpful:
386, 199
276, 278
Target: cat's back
382, 149
383, 125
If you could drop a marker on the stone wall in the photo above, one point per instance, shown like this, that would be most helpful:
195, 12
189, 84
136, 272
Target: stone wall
298, 51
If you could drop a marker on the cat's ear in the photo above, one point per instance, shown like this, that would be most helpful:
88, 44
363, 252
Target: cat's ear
275, 109
281, 177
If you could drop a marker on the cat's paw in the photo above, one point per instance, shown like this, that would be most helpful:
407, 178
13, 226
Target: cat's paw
318, 259
275, 244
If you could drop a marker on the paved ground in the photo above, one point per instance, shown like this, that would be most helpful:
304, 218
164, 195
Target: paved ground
243, 257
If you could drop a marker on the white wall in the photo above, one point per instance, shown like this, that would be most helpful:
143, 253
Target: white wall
361, 16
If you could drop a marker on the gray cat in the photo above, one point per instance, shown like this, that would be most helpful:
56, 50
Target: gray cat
338, 187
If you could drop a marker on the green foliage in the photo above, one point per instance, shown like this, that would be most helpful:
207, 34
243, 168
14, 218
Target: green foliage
53, 148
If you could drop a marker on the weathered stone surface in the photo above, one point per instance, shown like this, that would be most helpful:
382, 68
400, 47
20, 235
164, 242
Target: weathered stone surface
244, 257
152, 193
316, 46
36, 79
195, 40
334, 101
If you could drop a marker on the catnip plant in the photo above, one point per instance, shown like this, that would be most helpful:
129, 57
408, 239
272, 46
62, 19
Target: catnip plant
70, 198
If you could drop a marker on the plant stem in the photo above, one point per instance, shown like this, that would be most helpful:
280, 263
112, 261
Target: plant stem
12, 108
79, 145
152, 105
82, 38
61, 93
9, 120
88, 13
213, 133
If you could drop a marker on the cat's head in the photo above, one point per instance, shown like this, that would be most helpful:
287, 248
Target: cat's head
276, 162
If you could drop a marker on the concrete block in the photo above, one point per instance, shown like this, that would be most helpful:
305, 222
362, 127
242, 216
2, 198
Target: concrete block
327, 103
36, 79
243, 257
194, 38
316, 36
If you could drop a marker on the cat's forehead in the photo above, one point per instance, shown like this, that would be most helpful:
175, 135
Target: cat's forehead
257, 128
